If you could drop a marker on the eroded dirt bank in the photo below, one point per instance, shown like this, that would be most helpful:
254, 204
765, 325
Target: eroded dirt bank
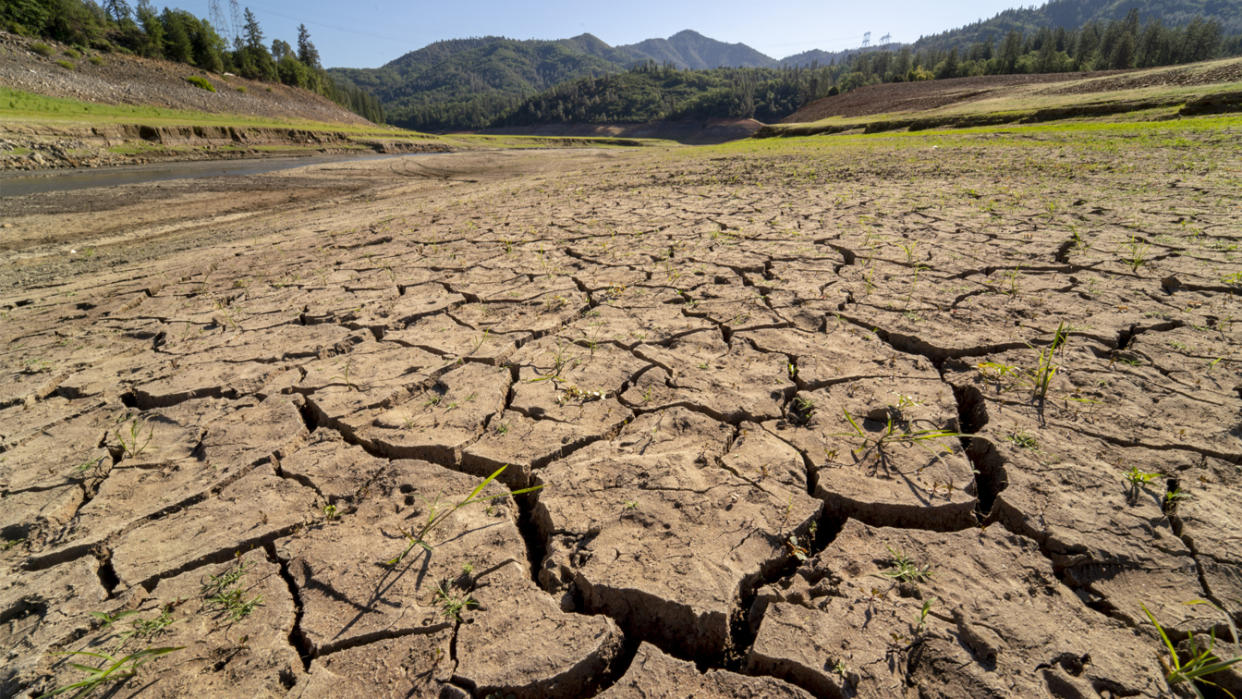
782, 403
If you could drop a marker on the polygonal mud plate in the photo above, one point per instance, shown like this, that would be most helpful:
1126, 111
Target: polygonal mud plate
653, 674
665, 527
893, 612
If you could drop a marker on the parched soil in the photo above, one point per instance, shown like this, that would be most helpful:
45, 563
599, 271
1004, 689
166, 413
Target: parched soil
781, 403
688, 132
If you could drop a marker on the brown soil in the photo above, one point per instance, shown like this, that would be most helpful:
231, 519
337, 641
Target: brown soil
749, 386
121, 79
1194, 75
925, 95
919, 96
689, 132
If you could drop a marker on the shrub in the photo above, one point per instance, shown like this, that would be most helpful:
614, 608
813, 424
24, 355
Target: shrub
241, 89
202, 82
64, 64
72, 53
96, 60
41, 48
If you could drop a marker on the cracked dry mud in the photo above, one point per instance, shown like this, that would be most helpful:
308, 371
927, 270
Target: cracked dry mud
750, 382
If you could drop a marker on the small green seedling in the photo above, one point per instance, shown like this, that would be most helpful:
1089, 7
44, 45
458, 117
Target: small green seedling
149, 628
922, 622
904, 568
1175, 495
1137, 480
436, 516
892, 436
452, 605
1203, 663
133, 441
1136, 253
224, 594
801, 409
1048, 367
113, 669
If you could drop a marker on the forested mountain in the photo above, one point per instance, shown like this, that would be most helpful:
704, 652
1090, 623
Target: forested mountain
651, 92
465, 83
689, 49
1076, 14
177, 35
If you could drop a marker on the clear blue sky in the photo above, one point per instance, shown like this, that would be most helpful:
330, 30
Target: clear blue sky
369, 33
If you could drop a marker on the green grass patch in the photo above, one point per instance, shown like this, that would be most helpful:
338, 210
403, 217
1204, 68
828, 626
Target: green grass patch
201, 82
41, 48
67, 65
27, 106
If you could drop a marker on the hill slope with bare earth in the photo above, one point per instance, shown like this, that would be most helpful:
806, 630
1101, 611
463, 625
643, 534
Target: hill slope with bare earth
113, 78
1154, 94
62, 108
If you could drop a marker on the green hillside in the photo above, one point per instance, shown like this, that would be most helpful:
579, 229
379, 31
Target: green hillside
650, 92
1076, 14
465, 83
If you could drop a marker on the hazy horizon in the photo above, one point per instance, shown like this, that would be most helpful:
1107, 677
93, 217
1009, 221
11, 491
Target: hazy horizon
375, 33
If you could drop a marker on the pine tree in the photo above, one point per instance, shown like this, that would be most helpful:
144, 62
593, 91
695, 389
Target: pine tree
254, 35
307, 53
118, 10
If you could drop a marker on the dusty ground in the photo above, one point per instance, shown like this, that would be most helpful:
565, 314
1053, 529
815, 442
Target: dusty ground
780, 399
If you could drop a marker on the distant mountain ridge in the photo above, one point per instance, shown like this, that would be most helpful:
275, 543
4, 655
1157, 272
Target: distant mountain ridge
467, 83
690, 49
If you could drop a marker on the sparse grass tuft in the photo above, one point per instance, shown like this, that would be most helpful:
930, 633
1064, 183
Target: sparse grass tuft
224, 594
904, 569
1047, 368
437, 516
1202, 661
201, 82
113, 669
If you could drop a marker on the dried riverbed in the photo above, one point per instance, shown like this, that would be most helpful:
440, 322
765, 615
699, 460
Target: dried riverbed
781, 400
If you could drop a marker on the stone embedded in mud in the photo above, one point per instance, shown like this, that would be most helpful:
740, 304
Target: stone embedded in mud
666, 526
997, 622
654, 674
